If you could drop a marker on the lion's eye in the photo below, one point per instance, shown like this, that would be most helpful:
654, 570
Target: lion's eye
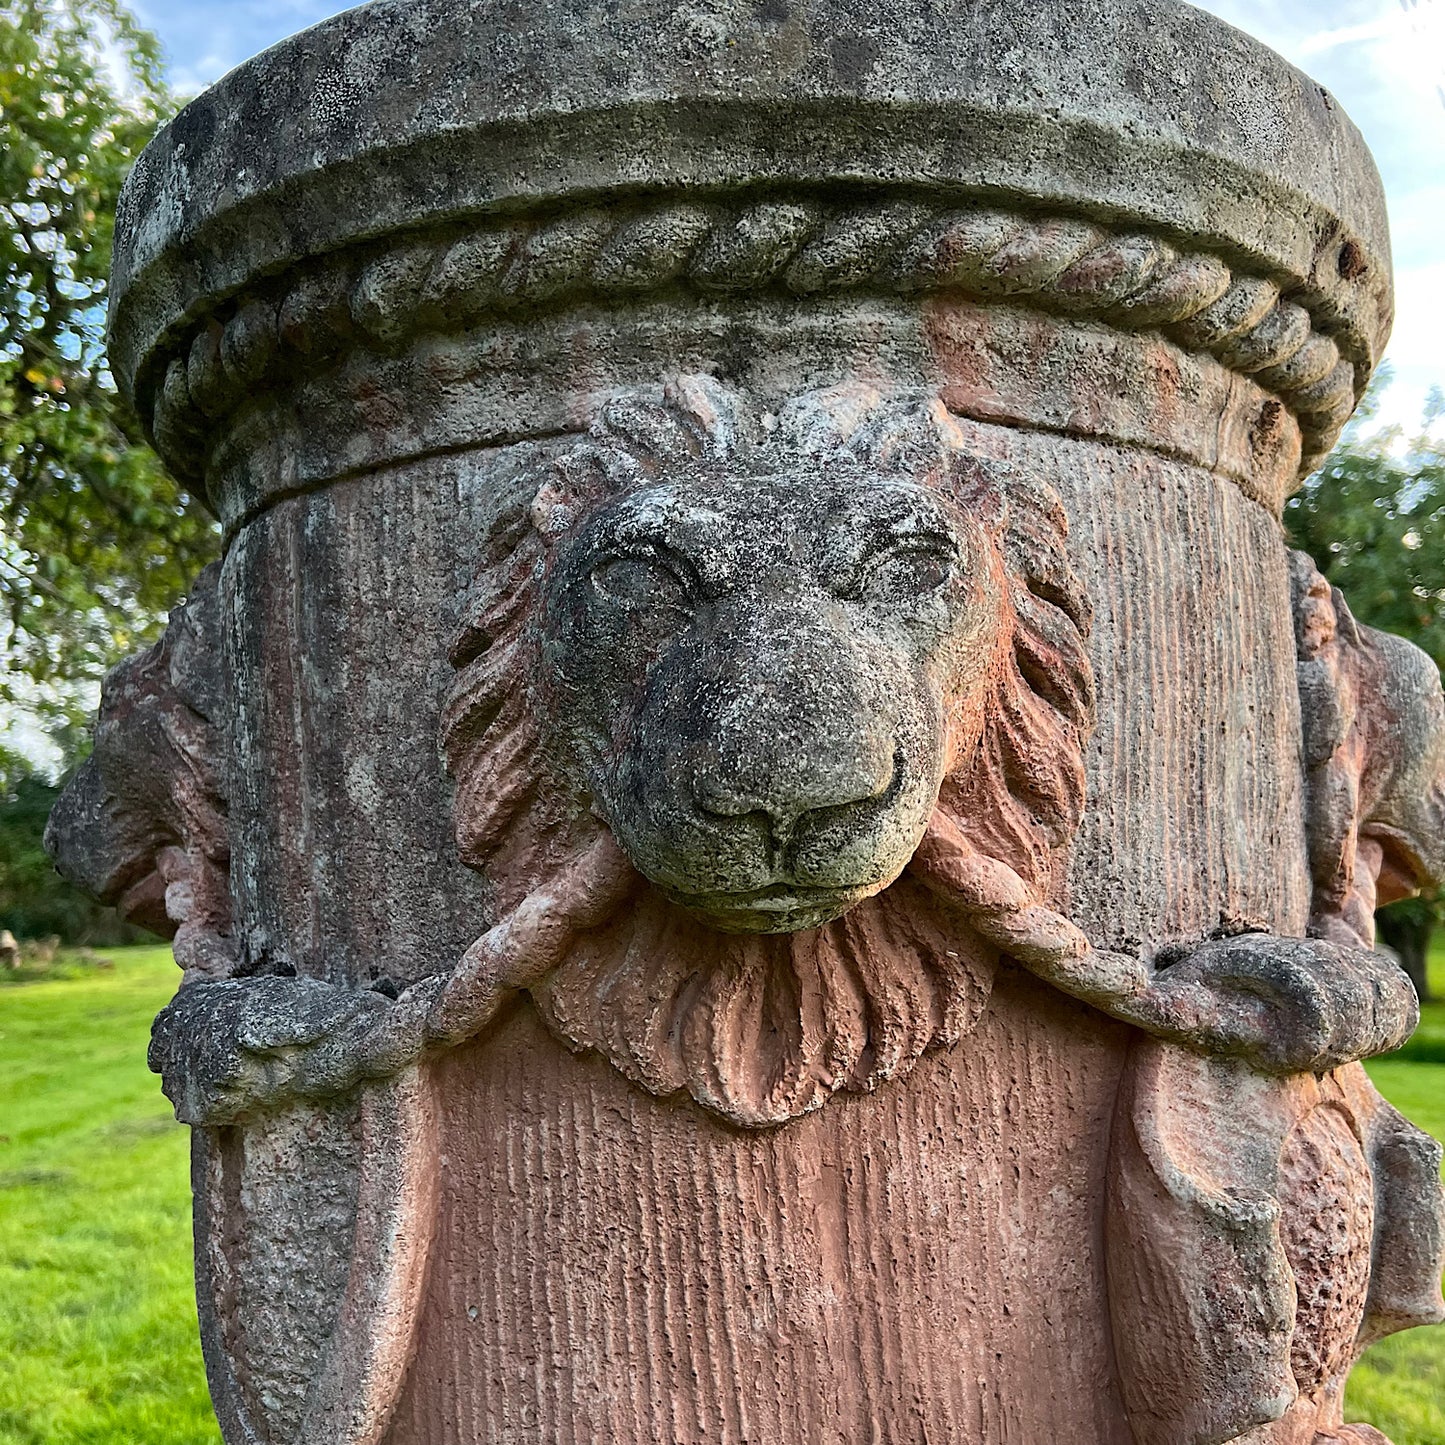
640, 582
906, 572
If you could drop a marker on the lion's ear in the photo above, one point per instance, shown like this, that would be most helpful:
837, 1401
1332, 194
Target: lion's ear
713, 414
821, 423
1315, 616
643, 434
979, 488
918, 437
636, 437
552, 512
571, 487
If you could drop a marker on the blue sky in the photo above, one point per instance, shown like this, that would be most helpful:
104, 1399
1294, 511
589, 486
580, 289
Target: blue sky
1383, 59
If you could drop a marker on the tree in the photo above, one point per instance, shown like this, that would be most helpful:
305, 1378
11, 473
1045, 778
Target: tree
96, 540
1374, 521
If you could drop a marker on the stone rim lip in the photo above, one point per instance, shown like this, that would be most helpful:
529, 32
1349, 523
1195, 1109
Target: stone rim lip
383, 119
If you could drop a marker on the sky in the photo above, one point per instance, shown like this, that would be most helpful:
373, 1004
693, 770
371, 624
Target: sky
1384, 60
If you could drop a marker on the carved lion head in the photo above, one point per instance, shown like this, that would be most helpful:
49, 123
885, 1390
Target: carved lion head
763, 651
142, 825
1374, 752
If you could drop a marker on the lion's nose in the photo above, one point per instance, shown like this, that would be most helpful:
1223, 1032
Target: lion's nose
796, 787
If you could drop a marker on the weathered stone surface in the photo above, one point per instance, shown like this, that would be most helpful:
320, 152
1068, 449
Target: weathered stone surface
1374, 736
383, 119
1257, 1242
143, 825
801, 853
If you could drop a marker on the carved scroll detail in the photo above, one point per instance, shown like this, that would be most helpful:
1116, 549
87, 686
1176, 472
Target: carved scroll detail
143, 824
314, 1225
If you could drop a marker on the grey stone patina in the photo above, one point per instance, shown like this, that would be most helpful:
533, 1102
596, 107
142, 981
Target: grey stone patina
760, 658
768, 842
384, 119
725, 149
142, 826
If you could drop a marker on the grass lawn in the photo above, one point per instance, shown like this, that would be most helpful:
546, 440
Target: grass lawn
97, 1324
1399, 1386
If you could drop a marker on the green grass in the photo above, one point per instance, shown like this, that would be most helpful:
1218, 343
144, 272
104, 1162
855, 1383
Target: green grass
97, 1323
98, 1335
1399, 1386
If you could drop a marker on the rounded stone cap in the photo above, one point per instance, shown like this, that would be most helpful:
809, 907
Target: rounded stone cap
402, 114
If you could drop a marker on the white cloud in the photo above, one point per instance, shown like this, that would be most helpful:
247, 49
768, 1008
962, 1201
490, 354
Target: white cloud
1415, 354
191, 79
113, 59
1345, 35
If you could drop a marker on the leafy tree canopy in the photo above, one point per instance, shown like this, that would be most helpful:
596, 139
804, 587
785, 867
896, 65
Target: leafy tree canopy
1374, 521
96, 540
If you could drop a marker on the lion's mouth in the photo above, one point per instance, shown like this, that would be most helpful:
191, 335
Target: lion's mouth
779, 908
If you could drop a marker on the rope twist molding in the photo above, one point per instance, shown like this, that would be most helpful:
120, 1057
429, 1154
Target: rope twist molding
386, 296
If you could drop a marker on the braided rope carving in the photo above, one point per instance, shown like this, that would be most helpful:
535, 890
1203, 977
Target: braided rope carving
232, 1049
241, 1046
1285, 1005
446, 282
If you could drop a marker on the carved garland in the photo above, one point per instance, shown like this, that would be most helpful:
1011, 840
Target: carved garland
1282, 1005
447, 281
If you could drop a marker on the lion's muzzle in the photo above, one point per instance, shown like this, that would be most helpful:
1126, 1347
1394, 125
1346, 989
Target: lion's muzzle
786, 770
753, 677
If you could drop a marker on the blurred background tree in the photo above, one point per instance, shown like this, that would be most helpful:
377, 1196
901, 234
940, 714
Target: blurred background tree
96, 540
1374, 521
35, 902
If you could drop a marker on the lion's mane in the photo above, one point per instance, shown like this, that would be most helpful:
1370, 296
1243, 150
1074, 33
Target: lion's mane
762, 1029
142, 826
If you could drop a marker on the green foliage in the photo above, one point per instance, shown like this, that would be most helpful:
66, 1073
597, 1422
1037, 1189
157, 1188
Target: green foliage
1399, 1387
35, 902
96, 541
1374, 521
